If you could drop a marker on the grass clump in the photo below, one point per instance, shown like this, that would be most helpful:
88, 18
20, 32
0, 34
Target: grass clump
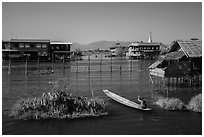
58, 104
170, 103
195, 103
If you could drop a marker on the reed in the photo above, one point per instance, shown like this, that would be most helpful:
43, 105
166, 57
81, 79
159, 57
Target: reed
195, 104
170, 103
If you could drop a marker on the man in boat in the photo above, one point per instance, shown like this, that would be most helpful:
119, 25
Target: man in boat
142, 102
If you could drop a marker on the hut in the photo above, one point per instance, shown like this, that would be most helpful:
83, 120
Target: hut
60, 50
183, 62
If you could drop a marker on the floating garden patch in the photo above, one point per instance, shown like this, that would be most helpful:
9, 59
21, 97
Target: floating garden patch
59, 105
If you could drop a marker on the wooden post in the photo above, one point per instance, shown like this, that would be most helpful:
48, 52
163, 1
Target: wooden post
197, 80
151, 79
131, 64
9, 67
77, 65
92, 93
165, 83
38, 64
168, 80
191, 81
52, 63
120, 64
172, 80
111, 63
176, 81
89, 63
179, 80
100, 63
63, 64
26, 65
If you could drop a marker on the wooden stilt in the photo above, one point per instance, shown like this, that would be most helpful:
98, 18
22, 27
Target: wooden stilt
197, 79
168, 81
9, 67
151, 79
131, 64
176, 81
165, 81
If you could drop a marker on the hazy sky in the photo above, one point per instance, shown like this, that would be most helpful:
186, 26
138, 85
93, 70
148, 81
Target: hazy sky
90, 22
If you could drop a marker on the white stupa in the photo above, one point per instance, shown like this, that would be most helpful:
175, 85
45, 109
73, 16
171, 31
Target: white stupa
150, 38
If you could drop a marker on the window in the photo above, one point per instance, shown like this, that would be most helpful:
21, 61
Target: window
27, 45
4, 46
21, 45
44, 46
38, 46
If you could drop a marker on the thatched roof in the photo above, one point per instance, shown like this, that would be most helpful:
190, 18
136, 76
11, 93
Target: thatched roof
174, 55
191, 48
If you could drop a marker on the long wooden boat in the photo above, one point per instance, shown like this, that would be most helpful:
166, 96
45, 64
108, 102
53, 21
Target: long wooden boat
123, 100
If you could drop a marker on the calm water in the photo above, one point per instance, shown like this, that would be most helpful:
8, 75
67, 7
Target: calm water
121, 119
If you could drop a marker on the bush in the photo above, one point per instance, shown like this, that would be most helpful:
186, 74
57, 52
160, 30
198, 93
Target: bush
170, 103
58, 104
195, 103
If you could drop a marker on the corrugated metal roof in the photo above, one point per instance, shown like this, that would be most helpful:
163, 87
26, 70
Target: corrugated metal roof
174, 55
5, 41
30, 40
9, 50
60, 43
145, 44
133, 44
191, 48
149, 44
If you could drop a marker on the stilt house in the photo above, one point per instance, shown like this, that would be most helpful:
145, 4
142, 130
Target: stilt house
184, 58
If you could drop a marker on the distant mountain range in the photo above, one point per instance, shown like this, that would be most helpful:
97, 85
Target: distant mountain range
103, 45
100, 45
